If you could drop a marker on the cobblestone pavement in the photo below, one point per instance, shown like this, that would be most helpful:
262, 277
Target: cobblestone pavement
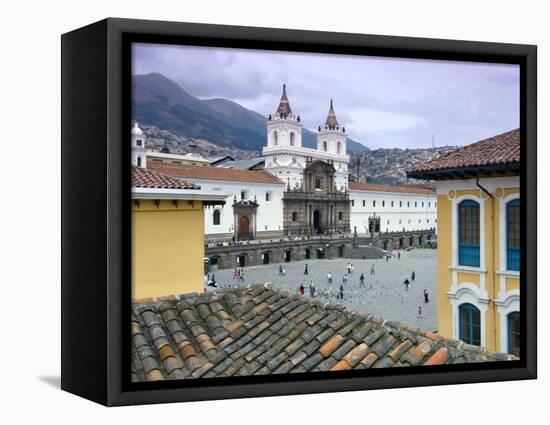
384, 294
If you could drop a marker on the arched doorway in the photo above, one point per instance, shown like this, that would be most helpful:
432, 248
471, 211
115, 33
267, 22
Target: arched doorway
385, 245
308, 253
317, 221
241, 260
320, 253
288, 256
265, 258
341, 251
401, 243
411, 241
244, 228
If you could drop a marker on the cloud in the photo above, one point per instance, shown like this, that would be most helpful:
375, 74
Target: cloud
380, 101
372, 120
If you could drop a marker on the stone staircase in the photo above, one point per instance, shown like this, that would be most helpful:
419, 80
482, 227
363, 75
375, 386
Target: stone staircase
365, 252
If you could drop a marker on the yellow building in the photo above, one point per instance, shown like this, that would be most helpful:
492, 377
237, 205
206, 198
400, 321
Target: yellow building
478, 217
167, 234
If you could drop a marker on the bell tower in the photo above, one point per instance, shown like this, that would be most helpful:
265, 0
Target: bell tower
332, 140
139, 156
283, 127
284, 155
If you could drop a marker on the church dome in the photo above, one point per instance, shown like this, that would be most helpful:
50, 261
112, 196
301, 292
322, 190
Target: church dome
136, 131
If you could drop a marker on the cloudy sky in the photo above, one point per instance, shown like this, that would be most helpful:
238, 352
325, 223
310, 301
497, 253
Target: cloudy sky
382, 102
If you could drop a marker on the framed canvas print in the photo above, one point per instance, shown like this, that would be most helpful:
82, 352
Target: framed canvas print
251, 212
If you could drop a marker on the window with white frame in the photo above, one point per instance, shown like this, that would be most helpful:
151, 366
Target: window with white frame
469, 325
468, 233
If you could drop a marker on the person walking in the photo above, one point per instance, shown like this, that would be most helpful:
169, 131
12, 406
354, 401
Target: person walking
306, 271
362, 280
302, 289
241, 276
372, 269
280, 269
345, 279
235, 273
426, 296
341, 292
212, 281
399, 255
419, 311
406, 283
413, 275
329, 277
352, 268
311, 289
349, 267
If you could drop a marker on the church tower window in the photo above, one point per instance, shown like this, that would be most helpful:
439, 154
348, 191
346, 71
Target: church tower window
275, 138
338, 147
292, 136
325, 146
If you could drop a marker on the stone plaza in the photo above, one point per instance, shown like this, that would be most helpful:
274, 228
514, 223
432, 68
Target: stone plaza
383, 295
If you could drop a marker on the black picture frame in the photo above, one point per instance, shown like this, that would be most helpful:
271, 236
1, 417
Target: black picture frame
96, 88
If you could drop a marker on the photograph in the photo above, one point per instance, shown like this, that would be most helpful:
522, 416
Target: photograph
299, 212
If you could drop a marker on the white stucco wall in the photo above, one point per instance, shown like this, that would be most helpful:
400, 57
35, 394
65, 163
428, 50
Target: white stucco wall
417, 211
269, 214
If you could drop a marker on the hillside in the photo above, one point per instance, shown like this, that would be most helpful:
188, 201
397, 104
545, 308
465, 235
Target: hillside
158, 101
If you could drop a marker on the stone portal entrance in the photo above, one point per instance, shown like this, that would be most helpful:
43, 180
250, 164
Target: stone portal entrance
374, 224
245, 219
317, 226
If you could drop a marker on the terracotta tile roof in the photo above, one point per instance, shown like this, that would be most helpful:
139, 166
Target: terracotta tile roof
214, 173
494, 152
142, 177
258, 330
391, 188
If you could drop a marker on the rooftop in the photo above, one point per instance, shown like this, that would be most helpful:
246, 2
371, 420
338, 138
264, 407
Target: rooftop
260, 330
144, 178
215, 173
391, 188
182, 157
243, 164
497, 154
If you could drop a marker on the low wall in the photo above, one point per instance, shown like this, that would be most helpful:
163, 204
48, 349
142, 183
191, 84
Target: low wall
278, 252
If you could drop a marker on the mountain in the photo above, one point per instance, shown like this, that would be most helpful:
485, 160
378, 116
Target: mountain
158, 101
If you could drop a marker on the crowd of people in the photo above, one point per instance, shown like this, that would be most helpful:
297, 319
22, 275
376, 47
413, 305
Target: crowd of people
327, 291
